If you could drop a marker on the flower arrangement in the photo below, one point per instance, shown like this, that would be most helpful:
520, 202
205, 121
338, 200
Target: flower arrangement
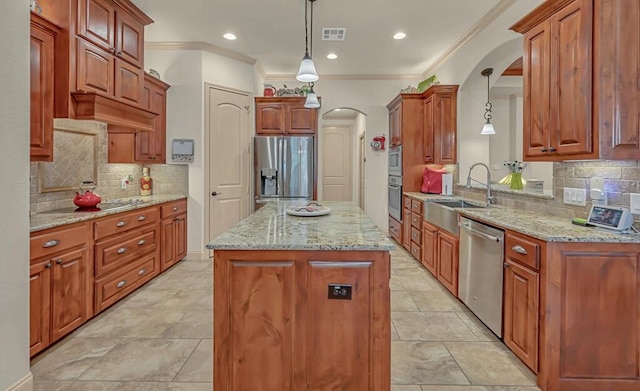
514, 178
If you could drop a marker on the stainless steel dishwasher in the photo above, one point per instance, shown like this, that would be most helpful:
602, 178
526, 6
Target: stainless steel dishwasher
480, 271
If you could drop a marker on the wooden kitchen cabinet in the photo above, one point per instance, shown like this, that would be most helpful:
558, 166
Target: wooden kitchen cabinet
151, 146
285, 116
440, 124
42, 71
429, 246
395, 229
521, 299
447, 260
406, 223
415, 229
173, 233
60, 273
580, 80
395, 125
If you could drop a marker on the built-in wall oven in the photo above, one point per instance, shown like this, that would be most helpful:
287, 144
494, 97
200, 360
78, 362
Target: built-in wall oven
395, 161
395, 197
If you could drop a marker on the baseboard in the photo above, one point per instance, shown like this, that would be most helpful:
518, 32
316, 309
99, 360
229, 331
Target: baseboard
198, 255
25, 384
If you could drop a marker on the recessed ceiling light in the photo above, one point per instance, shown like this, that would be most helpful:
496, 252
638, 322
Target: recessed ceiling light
229, 36
332, 56
399, 35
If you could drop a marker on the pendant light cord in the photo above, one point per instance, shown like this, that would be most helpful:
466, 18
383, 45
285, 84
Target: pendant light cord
306, 31
311, 52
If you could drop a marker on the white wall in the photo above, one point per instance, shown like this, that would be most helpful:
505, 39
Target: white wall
14, 174
187, 71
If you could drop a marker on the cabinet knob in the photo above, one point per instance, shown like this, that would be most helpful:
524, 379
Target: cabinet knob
119, 53
141, 218
141, 242
543, 149
59, 261
121, 284
505, 265
122, 250
141, 272
121, 224
48, 265
175, 208
552, 149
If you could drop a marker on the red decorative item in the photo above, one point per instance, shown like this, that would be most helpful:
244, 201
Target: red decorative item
86, 198
432, 180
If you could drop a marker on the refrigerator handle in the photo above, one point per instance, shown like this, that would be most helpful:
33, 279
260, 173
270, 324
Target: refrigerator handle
282, 177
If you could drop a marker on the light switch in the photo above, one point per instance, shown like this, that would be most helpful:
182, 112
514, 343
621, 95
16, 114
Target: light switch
575, 196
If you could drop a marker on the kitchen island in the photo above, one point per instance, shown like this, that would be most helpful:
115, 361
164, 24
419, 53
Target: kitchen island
302, 303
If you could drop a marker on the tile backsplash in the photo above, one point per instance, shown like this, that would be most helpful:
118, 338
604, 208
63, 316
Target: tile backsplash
621, 178
167, 178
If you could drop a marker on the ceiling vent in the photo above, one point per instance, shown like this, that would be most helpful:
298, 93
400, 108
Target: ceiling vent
334, 34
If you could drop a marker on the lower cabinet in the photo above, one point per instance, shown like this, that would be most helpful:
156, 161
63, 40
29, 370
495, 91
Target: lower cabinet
406, 227
173, 233
395, 229
440, 255
301, 320
60, 291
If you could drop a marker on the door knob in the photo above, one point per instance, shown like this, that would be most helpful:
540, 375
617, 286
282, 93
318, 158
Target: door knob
215, 193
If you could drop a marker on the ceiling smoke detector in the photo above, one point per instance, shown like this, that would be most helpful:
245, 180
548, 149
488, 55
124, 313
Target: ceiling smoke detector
334, 33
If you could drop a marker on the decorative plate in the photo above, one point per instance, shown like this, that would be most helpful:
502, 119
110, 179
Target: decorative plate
309, 210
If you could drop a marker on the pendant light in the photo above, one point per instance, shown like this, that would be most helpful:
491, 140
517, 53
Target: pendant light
312, 101
307, 72
488, 126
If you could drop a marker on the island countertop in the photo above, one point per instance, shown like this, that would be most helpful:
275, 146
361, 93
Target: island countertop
346, 228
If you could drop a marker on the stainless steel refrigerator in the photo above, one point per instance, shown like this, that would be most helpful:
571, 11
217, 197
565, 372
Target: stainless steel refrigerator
283, 168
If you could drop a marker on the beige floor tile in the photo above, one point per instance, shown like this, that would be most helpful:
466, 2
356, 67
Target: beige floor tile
489, 363
71, 358
431, 326
143, 360
74, 386
401, 301
405, 388
194, 265
509, 388
394, 333
199, 367
177, 279
453, 388
195, 299
196, 324
423, 363
142, 386
412, 281
478, 328
436, 300
133, 322
146, 298
190, 387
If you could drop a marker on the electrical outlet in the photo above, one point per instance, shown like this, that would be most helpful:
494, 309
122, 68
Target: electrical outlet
339, 292
634, 203
575, 196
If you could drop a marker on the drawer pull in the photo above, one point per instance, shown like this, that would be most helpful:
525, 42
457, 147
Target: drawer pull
505, 265
175, 208
141, 218
141, 242
414, 236
51, 243
48, 265
121, 284
414, 251
122, 250
519, 249
141, 272
59, 261
121, 224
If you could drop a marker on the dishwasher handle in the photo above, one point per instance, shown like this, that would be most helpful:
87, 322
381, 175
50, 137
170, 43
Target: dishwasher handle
472, 231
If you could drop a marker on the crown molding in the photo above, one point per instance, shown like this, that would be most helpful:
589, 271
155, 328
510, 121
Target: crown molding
207, 47
323, 76
485, 21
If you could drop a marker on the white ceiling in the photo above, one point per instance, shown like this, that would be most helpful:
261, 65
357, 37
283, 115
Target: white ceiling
271, 32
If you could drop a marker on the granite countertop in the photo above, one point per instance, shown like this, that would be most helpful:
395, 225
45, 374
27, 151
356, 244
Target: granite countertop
346, 228
58, 217
544, 227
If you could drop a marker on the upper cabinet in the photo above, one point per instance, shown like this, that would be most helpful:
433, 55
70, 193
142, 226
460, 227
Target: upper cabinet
285, 116
151, 146
440, 124
581, 80
42, 51
406, 115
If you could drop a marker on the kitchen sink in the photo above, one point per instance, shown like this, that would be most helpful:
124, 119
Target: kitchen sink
458, 204
444, 214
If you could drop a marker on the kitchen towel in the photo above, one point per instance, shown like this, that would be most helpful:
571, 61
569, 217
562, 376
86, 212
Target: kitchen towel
432, 180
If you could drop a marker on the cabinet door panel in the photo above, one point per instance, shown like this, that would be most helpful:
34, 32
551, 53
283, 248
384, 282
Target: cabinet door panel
95, 69
181, 236
617, 79
262, 308
96, 21
447, 258
429, 243
158, 105
270, 118
68, 293
39, 307
130, 41
41, 82
428, 135
521, 301
129, 82
406, 229
536, 90
570, 100
337, 361
167, 243
302, 120
445, 128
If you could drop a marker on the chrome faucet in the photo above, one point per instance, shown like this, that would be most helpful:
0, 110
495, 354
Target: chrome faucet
488, 184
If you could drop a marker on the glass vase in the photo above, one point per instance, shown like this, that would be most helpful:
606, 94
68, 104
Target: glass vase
516, 181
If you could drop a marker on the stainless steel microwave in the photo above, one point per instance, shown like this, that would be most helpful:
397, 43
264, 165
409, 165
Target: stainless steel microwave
395, 161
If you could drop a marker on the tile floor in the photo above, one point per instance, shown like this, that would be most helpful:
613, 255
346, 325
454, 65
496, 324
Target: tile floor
160, 339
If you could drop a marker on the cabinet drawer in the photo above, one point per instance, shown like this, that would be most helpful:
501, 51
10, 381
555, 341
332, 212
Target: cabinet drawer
416, 220
118, 251
416, 251
110, 289
407, 202
416, 206
125, 221
53, 241
523, 250
395, 229
416, 236
173, 208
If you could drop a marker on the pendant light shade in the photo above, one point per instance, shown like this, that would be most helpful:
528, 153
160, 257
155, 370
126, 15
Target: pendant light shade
312, 101
307, 72
488, 126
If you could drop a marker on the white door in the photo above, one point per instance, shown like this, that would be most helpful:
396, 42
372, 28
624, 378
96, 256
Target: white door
228, 124
336, 163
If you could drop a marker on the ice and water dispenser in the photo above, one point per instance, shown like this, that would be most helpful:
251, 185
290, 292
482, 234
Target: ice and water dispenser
268, 182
